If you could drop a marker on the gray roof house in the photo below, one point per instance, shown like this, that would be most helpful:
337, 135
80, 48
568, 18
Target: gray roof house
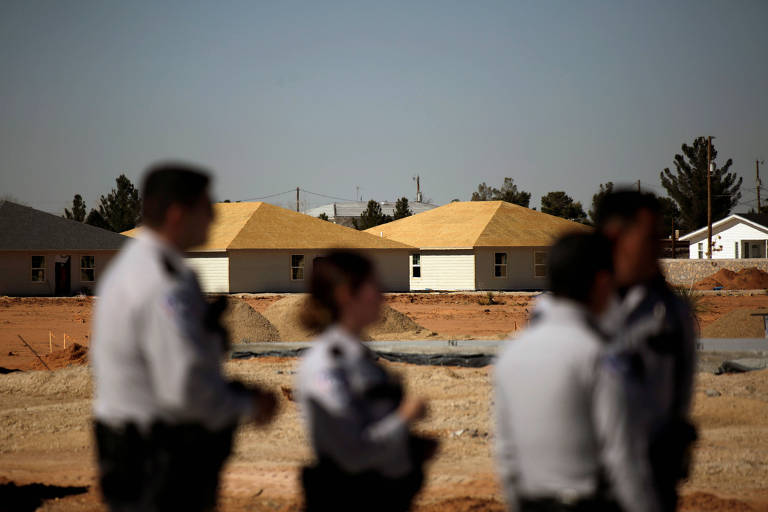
44, 254
343, 213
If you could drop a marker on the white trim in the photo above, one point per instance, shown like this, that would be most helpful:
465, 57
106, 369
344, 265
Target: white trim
694, 234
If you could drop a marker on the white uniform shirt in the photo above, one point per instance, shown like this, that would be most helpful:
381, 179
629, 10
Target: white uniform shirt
561, 415
348, 422
152, 357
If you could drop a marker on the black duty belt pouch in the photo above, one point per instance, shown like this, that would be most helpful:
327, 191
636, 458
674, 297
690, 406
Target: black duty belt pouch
669, 454
328, 487
174, 467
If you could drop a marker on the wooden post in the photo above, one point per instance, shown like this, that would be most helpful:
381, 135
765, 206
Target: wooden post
50, 342
65, 341
709, 199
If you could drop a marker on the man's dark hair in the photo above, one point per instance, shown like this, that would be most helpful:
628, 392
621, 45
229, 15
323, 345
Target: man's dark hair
574, 262
624, 205
170, 183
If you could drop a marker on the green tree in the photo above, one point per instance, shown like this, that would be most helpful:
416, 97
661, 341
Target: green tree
94, 218
78, 211
323, 216
688, 185
508, 192
484, 193
120, 210
402, 209
597, 198
371, 216
560, 204
670, 214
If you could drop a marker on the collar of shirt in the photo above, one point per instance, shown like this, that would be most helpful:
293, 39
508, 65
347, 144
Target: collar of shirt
551, 308
336, 333
153, 240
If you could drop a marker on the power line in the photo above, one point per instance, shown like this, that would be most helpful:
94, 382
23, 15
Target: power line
327, 196
269, 196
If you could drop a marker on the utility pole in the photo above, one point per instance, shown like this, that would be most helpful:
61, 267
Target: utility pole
674, 248
297, 198
638, 186
709, 197
757, 183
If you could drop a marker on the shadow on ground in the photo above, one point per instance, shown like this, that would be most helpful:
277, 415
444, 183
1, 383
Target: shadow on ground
24, 498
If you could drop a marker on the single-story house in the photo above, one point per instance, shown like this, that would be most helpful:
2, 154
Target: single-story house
737, 236
478, 245
346, 212
44, 254
257, 247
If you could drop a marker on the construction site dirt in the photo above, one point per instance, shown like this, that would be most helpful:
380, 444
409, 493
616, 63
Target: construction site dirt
45, 435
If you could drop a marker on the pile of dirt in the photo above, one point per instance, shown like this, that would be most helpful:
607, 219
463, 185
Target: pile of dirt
745, 279
284, 314
245, 325
74, 355
739, 323
72, 382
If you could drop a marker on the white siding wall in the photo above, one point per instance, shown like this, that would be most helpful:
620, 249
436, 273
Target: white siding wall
445, 270
270, 271
212, 271
16, 272
726, 236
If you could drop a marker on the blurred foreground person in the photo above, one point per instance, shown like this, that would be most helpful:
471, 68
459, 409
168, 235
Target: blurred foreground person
356, 415
164, 414
562, 434
654, 346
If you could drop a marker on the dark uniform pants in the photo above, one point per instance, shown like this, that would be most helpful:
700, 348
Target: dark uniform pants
174, 467
553, 505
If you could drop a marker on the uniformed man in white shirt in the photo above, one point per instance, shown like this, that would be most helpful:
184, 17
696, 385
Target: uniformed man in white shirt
563, 442
164, 414
654, 343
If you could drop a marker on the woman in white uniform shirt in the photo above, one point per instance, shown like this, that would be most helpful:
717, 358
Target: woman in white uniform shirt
356, 416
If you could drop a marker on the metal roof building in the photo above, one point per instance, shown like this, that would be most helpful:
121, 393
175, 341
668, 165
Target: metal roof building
343, 213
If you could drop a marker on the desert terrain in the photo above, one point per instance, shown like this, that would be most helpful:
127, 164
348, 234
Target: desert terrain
45, 431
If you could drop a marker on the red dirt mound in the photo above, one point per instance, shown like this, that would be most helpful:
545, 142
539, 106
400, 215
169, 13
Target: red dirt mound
745, 279
73, 355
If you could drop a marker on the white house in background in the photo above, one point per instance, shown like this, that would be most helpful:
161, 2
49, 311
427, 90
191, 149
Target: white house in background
478, 245
258, 247
738, 236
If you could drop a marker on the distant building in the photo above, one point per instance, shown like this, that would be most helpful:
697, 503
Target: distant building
738, 236
344, 213
44, 254
478, 245
258, 247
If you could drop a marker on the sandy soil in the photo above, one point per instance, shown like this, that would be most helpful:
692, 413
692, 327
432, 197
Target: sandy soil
459, 316
45, 438
45, 430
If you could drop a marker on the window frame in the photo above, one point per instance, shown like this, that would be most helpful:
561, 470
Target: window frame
301, 267
736, 250
543, 266
700, 248
415, 265
85, 269
33, 268
504, 265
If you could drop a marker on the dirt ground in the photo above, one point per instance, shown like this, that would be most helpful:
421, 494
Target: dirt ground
45, 438
45, 434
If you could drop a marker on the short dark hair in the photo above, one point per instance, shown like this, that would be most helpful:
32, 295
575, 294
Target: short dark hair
168, 183
338, 268
624, 205
574, 262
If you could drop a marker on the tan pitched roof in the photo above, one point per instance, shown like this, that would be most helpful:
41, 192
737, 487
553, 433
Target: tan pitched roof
265, 226
477, 224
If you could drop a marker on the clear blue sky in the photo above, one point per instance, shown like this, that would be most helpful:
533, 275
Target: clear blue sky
333, 95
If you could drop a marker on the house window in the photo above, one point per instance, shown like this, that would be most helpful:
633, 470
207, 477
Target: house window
297, 267
540, 264
416, 265
736, 249
701, 250
38, 268
500, 264
87, 268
